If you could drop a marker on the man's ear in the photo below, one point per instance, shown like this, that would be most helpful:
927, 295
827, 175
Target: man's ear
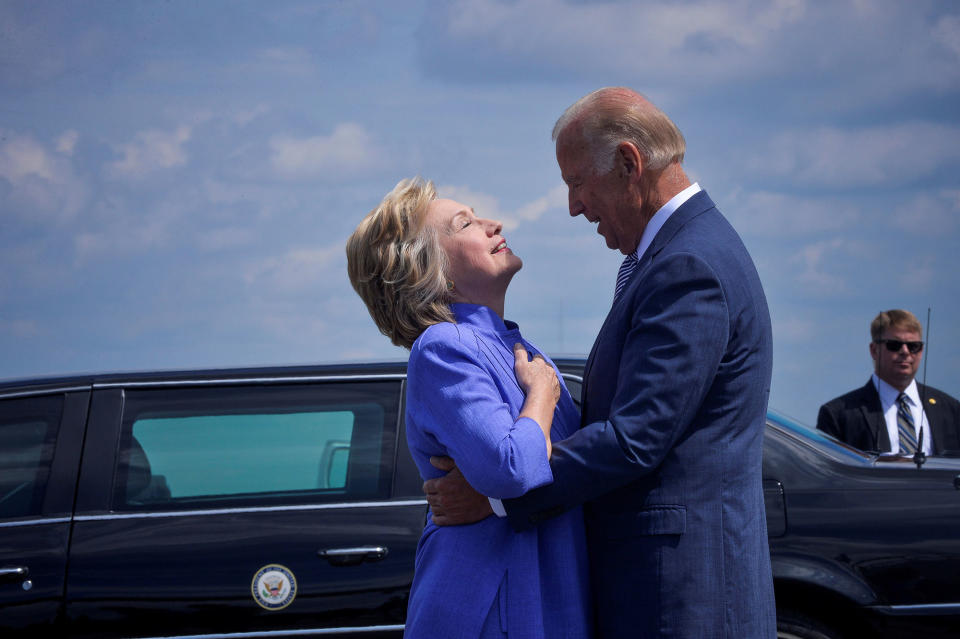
629, 160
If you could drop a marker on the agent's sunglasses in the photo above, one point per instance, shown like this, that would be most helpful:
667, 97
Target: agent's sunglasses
894, 345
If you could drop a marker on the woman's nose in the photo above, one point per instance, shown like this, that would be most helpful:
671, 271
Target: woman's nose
493, 227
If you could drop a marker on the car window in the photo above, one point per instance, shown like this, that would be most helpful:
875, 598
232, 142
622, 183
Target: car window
28, 430
242, 446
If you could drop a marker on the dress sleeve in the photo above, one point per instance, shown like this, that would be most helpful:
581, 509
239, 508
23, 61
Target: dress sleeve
456, 402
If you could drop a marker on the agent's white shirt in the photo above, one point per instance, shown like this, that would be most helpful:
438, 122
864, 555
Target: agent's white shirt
888, 404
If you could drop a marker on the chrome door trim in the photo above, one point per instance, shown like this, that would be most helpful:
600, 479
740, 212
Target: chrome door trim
234, 381
288, 633
919, 609
37, 522
251, 509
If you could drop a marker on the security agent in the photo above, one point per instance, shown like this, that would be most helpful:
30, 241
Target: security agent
892, 412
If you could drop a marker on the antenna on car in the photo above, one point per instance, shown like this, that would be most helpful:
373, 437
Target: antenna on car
919, 457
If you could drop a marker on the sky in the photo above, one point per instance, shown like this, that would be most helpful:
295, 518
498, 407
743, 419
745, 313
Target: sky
178, 178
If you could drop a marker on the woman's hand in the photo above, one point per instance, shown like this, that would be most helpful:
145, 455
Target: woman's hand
539, 381
535, 375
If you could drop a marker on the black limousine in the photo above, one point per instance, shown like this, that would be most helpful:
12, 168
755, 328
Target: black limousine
283, 502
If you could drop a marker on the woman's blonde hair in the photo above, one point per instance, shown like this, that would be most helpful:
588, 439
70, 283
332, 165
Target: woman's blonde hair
397, 266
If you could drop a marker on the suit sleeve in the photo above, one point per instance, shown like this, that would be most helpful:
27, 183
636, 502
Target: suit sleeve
827, 422
455, 402
677, 336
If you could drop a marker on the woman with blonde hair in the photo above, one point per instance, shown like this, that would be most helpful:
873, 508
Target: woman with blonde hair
434, 277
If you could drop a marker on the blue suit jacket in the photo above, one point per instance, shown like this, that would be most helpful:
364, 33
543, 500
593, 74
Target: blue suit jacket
668, 458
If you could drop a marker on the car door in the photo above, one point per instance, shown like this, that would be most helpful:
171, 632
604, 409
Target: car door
40, 436
253, 507
909, 521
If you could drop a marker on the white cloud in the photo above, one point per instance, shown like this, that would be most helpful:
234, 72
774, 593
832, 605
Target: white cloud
227, 237
814, 274
285, 60
777, 214
702, 43
349, 149
794, 329
20, 329
246, 116
150, 151
43, 185
488, 206
930, 214
917, 275
483, 204
120, 227
835, 157
947, 33
555, 199
299, 269
641, 37
67, 142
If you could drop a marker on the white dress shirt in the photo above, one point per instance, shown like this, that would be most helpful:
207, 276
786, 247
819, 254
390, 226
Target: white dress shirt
660, 217
888, 404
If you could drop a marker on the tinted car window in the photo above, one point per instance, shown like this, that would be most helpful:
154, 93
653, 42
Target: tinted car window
28, 430
196, 447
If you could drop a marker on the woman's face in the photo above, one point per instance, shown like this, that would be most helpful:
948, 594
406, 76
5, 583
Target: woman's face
481, 265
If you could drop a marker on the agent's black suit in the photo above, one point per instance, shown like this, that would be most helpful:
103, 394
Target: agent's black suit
857, 419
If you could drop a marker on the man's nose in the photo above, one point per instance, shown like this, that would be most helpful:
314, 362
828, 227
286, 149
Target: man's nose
576, 207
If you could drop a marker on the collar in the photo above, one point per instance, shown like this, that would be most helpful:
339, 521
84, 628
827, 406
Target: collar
481, 317
888, 394
661, 216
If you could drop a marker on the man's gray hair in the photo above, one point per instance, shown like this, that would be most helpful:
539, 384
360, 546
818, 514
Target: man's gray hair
613, 115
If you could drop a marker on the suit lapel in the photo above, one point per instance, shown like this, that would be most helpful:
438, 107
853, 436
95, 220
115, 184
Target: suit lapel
939, 422
693, 207
872, 413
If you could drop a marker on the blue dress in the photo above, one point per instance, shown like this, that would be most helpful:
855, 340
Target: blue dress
484, 579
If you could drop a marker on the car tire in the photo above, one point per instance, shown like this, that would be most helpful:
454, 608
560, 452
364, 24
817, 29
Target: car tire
796, 625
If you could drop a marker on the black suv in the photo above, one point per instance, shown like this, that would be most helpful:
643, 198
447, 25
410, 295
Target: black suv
283, 502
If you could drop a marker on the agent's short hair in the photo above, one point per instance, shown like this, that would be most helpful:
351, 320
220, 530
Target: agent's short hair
895, 318
397, 266
613, 115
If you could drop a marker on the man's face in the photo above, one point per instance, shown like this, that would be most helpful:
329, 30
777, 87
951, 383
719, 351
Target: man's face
605, 200
899, 368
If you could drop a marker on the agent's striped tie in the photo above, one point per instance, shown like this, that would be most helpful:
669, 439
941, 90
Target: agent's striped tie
905, 428
626, 269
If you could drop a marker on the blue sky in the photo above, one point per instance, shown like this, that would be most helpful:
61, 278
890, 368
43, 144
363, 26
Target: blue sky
178, 179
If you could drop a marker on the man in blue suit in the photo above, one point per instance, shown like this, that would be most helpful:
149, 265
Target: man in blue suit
668, 458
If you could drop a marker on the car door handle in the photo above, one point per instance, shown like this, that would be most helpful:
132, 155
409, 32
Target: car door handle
11, 574
353, 556
956, 482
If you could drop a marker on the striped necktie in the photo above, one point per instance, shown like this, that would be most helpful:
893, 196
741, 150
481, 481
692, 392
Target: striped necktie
626, 269
905, 428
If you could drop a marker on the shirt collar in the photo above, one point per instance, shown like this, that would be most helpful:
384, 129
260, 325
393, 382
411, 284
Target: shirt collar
889, 394
481, 317
660, 217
